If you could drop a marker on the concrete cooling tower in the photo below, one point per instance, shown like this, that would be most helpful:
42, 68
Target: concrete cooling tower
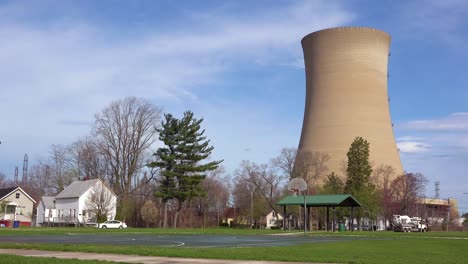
346, 96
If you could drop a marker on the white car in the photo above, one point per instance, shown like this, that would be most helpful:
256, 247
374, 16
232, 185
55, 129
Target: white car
113, 224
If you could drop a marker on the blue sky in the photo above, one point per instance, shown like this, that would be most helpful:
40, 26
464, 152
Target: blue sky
238, 64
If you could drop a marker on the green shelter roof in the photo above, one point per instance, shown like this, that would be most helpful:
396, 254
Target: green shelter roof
321, 200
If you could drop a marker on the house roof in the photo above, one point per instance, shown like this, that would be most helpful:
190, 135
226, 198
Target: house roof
231, 212
322, 200
76, 189
7, 191
48, 202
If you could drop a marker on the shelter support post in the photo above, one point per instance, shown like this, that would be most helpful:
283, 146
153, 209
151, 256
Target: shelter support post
333, 227
284, 217
305, 215
350, 218
328, 218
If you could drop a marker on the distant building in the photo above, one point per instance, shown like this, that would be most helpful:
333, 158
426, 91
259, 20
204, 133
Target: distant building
436, 210
69, 206
46, 211
273, 220
17, 205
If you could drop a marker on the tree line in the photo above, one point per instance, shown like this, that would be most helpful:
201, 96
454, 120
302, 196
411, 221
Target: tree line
176, 184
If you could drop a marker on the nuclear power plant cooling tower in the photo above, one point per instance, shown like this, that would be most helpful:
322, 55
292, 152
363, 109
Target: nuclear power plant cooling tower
346, 96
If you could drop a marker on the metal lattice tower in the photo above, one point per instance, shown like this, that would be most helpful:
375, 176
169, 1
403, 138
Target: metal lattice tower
16, 175
437, 189
24, 178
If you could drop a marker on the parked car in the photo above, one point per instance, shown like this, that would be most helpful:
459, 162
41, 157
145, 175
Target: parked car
113, 224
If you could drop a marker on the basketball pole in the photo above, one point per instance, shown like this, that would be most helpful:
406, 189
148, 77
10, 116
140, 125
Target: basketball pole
305, 213
297, 185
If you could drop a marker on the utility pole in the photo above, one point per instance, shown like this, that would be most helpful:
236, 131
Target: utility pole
448, 213
251, 209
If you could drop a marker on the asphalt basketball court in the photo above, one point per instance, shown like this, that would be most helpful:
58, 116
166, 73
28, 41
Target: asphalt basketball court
192, 241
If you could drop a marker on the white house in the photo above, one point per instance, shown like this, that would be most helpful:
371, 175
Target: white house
273, 220
74, 205
46, 210
17, 205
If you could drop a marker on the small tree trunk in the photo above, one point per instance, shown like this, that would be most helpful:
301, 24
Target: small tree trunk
165, 215
176, 216
190, 212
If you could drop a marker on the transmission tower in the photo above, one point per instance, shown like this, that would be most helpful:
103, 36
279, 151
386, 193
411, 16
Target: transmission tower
25, 169
16, 175
437, 189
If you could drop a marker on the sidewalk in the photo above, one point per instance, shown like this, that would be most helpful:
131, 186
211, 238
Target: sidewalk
129, 258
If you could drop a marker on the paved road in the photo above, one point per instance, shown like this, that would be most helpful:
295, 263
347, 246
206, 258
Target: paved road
130, 258
198, 241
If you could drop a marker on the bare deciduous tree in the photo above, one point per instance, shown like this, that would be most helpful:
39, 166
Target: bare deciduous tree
100, 201
39, 179
262, 180
408, 188
62, 176
382, 177
86, 160
124, 131
312, 167
285, 162
149, 212
217, 195
3, 180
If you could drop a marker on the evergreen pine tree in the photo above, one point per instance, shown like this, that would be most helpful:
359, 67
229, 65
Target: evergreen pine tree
359, 169
359, 182
180, 161
166, 158
194, 148
333, 185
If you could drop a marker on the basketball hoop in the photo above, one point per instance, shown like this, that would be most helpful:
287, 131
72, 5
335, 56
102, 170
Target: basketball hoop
297, 185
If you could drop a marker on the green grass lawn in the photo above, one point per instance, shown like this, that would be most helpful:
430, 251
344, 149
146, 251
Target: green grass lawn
431, 247
386, 234
9, 259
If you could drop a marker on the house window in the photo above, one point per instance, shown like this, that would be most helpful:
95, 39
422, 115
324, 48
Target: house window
10, 209
17, 195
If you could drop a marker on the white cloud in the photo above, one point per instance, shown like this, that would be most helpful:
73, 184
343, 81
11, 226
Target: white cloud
409, 138
442, 20
452, 122
56, 75
271, 36
438, 148
412, 146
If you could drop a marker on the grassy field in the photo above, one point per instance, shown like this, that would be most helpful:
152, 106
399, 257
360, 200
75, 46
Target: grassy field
432, 247
9, 259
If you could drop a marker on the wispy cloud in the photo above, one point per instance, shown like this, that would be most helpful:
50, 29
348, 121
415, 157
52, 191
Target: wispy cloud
453, 122
438, 148
65, 68
412, 146
443, 20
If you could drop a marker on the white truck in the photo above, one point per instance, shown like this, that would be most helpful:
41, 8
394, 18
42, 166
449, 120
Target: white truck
404, 223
